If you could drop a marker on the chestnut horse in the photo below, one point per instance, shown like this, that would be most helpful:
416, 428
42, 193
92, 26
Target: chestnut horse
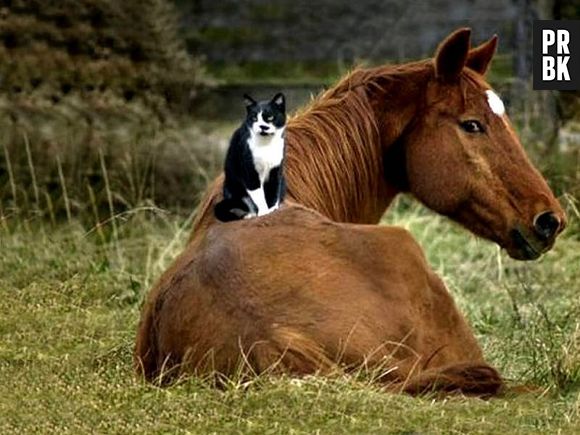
317, 285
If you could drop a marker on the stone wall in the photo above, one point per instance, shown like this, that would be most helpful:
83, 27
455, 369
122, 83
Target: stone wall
329, 30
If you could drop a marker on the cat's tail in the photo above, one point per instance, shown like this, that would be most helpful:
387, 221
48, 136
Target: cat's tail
222, 211
228, 210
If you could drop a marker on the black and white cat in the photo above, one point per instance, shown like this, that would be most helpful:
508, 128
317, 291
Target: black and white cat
254, 180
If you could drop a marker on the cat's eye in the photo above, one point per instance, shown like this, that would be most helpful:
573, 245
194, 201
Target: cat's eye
269, 118
472, 126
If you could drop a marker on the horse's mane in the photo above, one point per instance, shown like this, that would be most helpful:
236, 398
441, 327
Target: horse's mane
334, 161
333, 147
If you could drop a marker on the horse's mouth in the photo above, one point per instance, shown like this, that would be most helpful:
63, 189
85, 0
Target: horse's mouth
525, 248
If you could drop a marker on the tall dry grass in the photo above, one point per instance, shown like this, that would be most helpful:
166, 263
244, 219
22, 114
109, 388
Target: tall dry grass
65, 162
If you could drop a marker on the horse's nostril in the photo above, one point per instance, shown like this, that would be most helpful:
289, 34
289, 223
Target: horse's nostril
546, 224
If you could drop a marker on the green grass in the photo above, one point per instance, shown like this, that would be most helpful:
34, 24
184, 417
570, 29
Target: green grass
313, 72
69, 306
277, 73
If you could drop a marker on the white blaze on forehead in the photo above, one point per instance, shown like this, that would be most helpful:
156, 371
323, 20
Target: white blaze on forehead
495, 103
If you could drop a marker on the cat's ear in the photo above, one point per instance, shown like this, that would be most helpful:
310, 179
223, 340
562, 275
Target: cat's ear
279, 100
249, 101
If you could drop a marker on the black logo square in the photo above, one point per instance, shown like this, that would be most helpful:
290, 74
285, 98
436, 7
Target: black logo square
556, 55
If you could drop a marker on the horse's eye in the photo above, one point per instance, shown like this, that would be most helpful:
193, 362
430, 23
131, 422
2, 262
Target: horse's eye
472, 126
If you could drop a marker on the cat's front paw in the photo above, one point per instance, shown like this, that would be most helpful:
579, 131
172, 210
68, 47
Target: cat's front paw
273, 208
250, 215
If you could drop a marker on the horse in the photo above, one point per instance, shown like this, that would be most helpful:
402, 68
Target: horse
317, 285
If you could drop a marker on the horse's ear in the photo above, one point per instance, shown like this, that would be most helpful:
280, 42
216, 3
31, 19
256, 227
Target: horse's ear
451, 55
249, 101
480, 57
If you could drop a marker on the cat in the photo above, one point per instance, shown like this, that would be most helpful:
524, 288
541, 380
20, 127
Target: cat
254, 182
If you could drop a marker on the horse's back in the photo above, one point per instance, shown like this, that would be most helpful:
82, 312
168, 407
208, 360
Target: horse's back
296, 290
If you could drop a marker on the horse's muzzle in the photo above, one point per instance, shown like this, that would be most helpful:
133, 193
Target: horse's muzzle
525, 247
547, 225
530, 242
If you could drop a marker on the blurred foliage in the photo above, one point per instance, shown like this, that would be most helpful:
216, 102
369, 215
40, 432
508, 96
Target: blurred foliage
564, 166
91, 165
281, 73
93, 95
566, 9
568, 101
52, 49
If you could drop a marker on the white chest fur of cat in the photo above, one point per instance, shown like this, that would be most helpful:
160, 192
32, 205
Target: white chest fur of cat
267, 145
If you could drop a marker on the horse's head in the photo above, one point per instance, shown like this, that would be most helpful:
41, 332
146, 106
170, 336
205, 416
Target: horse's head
464, 160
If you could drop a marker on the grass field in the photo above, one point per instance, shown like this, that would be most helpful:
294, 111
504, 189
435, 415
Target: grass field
69, 306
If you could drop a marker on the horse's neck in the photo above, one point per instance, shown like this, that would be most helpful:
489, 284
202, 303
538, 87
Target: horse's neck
340, 171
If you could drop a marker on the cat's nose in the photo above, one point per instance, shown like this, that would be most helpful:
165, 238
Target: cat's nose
264, 127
